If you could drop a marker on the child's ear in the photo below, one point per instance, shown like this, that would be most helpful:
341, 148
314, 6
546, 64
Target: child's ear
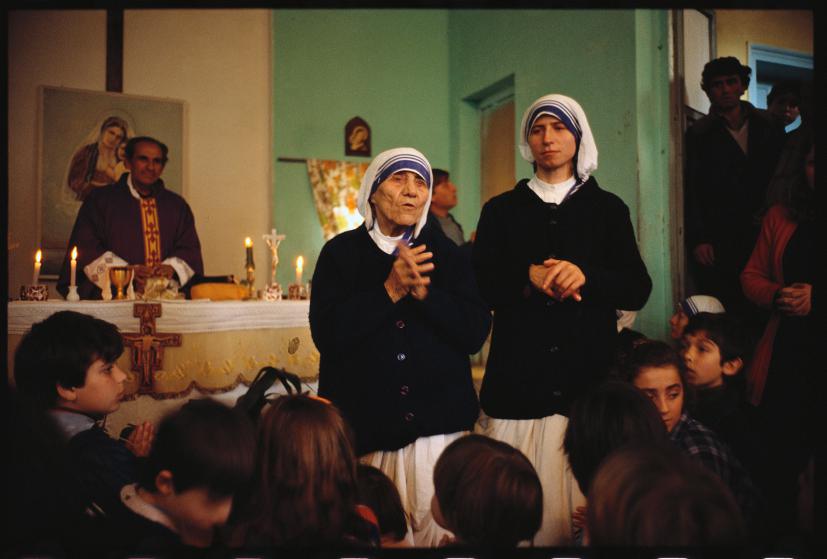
732, 366
66, 394
164, 483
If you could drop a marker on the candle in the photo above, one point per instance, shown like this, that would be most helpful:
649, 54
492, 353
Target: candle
248, 242
299, 268
74, 268
36, 275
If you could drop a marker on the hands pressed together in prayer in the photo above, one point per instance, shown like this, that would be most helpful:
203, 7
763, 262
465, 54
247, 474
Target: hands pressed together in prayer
142, 273
795, 299
408, 274
559, 279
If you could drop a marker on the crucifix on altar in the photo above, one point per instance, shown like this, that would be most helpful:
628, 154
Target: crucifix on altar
273, 289
148, 345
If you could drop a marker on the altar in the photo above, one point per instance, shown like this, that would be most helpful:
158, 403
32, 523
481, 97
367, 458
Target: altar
209, 346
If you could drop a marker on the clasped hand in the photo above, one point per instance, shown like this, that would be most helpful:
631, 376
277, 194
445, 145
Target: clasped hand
559, 279
408, 274
795, 299
141, 439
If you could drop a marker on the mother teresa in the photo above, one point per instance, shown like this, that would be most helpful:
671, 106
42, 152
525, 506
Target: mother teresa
395, 313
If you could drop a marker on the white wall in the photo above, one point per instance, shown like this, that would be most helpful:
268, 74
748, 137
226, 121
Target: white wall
218, 61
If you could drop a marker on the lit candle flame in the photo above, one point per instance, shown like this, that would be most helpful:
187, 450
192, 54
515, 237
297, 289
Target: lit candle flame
39, 256
299, 264
74, 253
248, 242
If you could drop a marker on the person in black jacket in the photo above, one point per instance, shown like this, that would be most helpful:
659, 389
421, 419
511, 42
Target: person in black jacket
731, 155
554, 258
395, 313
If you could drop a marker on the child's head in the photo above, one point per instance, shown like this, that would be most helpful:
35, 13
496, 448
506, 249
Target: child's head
714, 348
378, 492
305, 488
487, 493
658, 371
610, 416
688, 308
68, 360
203, 454
655, 496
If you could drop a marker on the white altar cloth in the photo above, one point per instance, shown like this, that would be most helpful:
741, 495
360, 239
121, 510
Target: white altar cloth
223, 343
176, 316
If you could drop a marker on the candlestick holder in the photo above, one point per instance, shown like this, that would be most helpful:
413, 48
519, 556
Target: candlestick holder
38, 292
73, 293
251, 282
272, 292
296, 292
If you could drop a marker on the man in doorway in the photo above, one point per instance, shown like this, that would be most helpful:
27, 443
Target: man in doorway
783, 102
135, 221
731, 155
443, 200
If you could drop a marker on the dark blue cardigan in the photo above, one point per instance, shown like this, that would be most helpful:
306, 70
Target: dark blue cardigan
397, 371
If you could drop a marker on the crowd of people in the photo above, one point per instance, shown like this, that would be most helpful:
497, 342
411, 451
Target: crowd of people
585, 433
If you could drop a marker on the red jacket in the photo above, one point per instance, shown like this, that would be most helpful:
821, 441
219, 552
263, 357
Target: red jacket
762, 277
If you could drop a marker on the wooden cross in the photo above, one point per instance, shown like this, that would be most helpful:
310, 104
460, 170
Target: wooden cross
147, 345
114, 50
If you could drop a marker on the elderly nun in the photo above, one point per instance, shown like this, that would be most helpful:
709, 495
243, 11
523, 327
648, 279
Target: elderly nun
554, 257
395, 313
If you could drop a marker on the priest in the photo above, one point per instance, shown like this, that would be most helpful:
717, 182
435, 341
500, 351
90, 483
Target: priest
136, 222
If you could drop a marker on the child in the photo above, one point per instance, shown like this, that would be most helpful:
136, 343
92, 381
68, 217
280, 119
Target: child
203, 455
654, 496
487, 493
304, 491
610, 416
658, 371
688, 308
714, 348
377, 491
66, 365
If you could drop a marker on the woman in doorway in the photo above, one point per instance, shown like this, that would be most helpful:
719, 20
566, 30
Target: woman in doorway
554, 257
395, 314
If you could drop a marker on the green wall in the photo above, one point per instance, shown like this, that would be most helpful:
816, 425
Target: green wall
389, 67
412, 74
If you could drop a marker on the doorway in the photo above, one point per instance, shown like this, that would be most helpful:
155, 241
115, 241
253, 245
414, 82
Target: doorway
496, 144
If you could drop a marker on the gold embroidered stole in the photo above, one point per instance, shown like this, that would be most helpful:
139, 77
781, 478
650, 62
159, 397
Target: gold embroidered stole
152, 231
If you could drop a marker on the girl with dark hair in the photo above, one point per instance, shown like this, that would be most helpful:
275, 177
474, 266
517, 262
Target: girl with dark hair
377, 491
304, 491
660, 373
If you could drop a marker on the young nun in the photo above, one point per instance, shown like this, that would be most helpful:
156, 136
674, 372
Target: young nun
554, 257
395, 314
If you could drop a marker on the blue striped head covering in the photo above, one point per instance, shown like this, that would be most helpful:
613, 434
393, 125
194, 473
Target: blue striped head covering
383, 166
701, 303
569, 112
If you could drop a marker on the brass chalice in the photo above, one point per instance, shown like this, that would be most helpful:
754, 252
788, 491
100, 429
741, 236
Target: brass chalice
120, 276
